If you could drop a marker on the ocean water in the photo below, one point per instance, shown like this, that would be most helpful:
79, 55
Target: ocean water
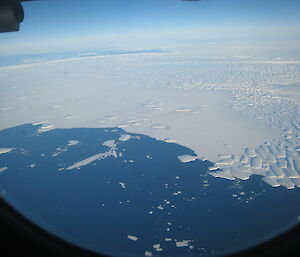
126, 194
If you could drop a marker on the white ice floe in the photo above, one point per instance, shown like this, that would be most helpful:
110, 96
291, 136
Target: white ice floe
123, 185
5, 150
3, 169
111, 152
183, 243
148, 254
187, 158
73, 142
124, 137
109, 143
88, 160
133, 238
177, 193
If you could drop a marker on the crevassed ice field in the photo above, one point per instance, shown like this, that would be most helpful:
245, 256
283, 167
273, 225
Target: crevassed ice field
240, 112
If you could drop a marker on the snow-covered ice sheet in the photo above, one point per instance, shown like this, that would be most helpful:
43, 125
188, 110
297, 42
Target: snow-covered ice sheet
238, 112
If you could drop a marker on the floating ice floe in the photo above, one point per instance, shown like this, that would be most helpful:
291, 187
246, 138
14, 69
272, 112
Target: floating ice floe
124, 137
123, 185
157, 247
73, 142
3, 169
111, 152
148, 254
187, 158
183, 243
87, 161
177, 193
133, 238
109, 143
5, 150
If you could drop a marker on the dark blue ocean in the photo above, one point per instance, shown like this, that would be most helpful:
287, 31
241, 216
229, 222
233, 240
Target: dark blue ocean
146, 192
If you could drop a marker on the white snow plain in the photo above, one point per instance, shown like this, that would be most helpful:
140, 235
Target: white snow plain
240, 113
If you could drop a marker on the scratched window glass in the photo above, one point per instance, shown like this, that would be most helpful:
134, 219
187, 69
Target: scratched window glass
153, 128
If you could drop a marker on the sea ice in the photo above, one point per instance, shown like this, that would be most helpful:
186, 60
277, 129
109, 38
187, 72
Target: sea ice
123, 185
109, 143
248, 110
73, 142
133, 238
5, 150
99, 156
124, 137
148, 254
3, 169
187, 158
183, 243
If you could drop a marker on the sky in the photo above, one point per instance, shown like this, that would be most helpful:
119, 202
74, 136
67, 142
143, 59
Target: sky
62, 25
